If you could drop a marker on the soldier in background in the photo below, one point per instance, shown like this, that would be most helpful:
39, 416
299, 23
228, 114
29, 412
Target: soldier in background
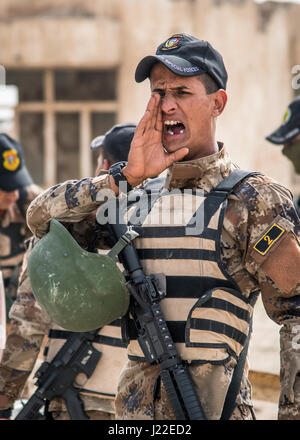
113, 146
30, 323
16, 192
288, 135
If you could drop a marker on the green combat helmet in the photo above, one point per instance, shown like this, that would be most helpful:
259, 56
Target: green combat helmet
81, 291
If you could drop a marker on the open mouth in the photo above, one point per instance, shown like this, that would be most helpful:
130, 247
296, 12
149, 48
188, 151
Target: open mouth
174, 128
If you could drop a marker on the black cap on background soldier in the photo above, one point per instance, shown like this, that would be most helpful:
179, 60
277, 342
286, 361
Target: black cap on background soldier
13, 172
116, 141
288, 134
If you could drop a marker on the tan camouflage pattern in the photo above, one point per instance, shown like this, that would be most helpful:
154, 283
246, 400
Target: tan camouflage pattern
147, 399
251, 211
103, 409
289, 408
70, 202
92, 415
29, 326
10, 217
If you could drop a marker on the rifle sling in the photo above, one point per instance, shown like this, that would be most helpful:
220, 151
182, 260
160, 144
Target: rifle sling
234, 387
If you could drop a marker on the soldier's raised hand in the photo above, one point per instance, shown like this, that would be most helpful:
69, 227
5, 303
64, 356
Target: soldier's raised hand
147, 156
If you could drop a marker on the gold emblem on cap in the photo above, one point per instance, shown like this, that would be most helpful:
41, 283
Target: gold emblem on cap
172, 42
11, 160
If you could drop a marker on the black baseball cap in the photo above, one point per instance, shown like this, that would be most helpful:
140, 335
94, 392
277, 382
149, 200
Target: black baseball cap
290, 126
185, 55
116, 141
13, 172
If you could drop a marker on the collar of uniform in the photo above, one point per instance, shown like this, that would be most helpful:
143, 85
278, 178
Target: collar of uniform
205, 173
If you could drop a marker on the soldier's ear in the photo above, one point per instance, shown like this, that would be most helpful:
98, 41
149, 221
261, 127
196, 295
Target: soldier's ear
219, 102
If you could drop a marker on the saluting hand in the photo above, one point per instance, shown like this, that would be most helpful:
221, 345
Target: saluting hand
147, 156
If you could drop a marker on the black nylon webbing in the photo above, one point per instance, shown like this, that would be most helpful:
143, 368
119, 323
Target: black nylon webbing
218, 195
218, 327
174, 231
177, 253
100, 339
221, 304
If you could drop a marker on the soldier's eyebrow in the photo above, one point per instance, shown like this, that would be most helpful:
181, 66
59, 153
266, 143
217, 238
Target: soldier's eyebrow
177, 89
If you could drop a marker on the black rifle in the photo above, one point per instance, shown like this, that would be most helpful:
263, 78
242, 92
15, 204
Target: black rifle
56, 379
153, 334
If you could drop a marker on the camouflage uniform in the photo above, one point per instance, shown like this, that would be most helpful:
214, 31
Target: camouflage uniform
29, 326
13, 232
251, 210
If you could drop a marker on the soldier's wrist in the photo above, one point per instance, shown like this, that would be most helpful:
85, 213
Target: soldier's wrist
120, 177
131, 180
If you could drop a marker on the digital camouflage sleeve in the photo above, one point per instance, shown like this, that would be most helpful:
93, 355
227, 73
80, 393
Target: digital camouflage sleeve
29, 323
269, 235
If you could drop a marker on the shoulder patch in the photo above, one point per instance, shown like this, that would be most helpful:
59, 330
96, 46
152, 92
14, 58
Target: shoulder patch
263, 245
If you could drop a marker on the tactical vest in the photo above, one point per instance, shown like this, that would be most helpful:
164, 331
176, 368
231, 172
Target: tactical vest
205, 310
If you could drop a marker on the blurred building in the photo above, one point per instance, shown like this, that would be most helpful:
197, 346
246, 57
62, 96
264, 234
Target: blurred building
8, 103
73, 63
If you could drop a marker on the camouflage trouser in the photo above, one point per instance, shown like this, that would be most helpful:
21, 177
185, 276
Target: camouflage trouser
93, 415
95, 407
241, 412
141, 396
